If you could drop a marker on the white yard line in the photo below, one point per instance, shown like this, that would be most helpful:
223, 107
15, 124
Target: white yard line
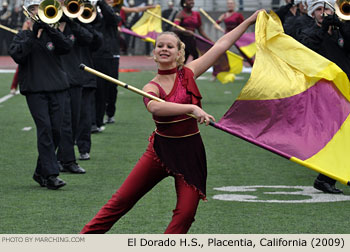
7, 70
6, 97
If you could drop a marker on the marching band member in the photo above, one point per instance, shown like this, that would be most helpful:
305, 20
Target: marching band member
83, 139
106, 60
44, 84
71, 61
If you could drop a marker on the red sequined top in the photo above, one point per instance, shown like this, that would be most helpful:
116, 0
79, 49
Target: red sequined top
232, 21
190, 22
184, 91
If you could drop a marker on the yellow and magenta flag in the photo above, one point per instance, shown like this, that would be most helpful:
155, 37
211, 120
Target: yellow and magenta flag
295, 104
246, 43
145, 38
246, 46
226, 66
149, 25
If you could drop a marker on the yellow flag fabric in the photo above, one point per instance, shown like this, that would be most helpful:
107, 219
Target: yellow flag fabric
235, 63
246, 43
149, 25
249, 50
284, 60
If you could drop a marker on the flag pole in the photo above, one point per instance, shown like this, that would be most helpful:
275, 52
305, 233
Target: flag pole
119, 83
211, 20
8, 29
124, 85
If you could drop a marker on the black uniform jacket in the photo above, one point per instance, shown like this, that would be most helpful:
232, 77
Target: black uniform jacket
106, 22
294, 25
335, 47
283, 12
40, 66
89, 80
80, 37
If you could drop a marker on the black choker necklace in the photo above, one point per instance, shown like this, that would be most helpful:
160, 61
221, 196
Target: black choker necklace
168, 71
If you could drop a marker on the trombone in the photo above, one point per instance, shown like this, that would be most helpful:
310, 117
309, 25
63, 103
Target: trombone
89, 12
49, 11
117, 3
73, 8
342, 9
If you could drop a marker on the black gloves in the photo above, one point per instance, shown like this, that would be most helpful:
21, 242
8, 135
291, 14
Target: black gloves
331, 20
100, 2
65, 19
39, 25
337, 22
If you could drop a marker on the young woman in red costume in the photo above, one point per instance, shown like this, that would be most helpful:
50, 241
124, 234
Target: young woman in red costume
191, 21
175, 148
231, 18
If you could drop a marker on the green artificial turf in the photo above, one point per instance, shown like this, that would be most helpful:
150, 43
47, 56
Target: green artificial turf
26, 208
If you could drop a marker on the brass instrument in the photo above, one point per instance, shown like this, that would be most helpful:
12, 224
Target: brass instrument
29, 15
89, 12
342, 9
49, 11
117, 3
73, 8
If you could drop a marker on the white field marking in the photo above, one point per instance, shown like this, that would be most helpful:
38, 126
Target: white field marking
203, 78
6, 97
246, 70
314, 196
7, 70
227, 92
26, 128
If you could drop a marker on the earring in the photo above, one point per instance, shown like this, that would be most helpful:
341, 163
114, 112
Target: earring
154, 58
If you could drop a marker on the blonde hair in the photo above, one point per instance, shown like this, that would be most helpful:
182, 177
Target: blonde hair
180, 46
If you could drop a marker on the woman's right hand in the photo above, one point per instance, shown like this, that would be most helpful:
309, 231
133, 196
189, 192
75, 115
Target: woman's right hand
253, 17
202, 116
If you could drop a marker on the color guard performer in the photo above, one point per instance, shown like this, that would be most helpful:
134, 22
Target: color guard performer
175, 148
231, 18
191, 21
